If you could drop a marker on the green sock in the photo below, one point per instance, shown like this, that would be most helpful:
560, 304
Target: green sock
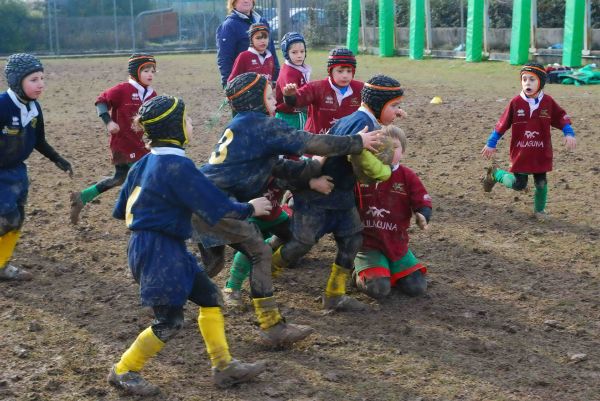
505, 178
539, 198
88, 194
240, 270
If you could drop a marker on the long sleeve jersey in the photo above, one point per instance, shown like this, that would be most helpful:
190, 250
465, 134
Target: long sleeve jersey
251, 61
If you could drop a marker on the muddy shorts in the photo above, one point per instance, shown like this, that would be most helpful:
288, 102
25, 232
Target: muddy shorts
381, 266
14, 187
309, 224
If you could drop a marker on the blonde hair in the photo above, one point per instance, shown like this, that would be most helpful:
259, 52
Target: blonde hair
231, 5
395, 133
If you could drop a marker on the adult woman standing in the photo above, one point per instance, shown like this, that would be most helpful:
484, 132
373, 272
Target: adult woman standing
232, 36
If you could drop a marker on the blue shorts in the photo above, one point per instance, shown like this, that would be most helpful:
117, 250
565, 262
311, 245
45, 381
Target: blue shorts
163, 267
14, 186
309, 224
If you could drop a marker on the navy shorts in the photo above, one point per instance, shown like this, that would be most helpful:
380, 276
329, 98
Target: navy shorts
309, 224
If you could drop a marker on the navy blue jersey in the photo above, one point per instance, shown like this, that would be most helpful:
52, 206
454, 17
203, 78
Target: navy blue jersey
164, 188
339, 168
242, 160
21, 131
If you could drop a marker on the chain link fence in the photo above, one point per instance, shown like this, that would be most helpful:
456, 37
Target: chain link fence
114, 26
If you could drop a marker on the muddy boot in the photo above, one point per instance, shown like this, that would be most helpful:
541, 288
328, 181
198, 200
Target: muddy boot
488, 181
343, 303
237, 372
14, 273
232, 298
274, 330
76, 207
131, 383
286, 333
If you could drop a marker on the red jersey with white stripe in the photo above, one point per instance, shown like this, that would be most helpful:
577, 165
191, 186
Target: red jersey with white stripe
325, 105
251, 61
124, 101
530, 141
386, 210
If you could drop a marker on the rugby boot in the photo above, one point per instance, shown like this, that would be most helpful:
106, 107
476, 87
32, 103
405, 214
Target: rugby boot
343, 303
488, 181
283, 334
131, 383
232, 298
76, 207
237, 372
14, 273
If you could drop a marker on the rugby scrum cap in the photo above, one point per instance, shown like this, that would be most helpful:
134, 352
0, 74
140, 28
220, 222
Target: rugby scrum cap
538, 70
379, 91
341, 56
256, 28
289, 39
163, 120
137, 62
246, 92
18, 66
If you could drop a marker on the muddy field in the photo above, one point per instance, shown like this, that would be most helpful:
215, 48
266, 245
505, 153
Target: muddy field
512, 301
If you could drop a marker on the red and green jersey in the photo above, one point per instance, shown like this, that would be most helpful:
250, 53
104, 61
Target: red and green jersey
530, 141
386, 209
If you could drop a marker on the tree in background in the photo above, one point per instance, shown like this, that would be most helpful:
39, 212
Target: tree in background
18, 27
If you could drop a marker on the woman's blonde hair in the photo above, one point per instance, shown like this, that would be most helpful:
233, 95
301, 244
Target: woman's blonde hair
231, 5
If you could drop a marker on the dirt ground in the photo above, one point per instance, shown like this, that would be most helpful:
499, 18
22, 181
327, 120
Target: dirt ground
512, 301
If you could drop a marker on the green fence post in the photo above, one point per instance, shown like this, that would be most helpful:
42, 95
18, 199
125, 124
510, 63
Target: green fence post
387, 29
353, 25
573, 36
474, 30
519, 38
417, 29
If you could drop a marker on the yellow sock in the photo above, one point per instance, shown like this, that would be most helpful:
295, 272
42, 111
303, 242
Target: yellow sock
145, 346
336, 285
277, 263
267, 312
8, 242
212, 328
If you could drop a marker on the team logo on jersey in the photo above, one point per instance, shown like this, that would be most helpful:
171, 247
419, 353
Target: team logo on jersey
375, 212
15, 120
530, 140
254, 62
355, 102
426, 197
328, 100
398, 187
135, 96
10, 130
520, 113
544, 113
33, 122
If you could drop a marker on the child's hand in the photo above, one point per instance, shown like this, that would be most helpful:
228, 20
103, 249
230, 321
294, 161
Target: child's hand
289, 89
370, 139
401, 113
262, 206
113, 127
421, 221
570, 142
488, 152
320, 159
322, 184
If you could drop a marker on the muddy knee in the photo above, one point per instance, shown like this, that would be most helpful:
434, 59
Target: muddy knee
413, 285
167, 323
375, 288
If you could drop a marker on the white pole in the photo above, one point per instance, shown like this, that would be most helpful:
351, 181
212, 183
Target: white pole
428, 27
587, 38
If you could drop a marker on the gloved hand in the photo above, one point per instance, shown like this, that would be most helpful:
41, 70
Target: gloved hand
64, 165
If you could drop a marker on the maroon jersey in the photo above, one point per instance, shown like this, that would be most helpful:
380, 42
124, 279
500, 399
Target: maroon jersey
324, 106
251, 61
290, 75
273, 194
386, 209
530, 141
124, 101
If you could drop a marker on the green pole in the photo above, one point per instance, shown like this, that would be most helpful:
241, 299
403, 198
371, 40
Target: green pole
573, 36
353, 25
519, 38
474, 30
386, 28
417, 29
